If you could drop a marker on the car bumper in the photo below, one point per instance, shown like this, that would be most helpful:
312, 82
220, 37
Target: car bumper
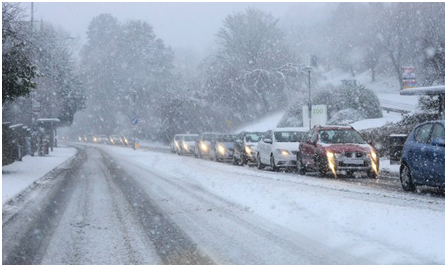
285, 161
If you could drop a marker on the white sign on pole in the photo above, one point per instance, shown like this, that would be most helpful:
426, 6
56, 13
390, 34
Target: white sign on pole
319, 115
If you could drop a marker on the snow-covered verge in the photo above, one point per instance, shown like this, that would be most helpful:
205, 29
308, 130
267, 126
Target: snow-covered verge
17, 176
378, 226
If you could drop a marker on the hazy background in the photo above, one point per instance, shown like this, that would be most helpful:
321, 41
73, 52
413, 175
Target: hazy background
181, 25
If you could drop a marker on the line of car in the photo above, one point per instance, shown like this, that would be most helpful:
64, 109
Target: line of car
328, 150
115, 139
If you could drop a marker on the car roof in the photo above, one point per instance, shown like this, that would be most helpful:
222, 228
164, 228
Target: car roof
348, 127
291, 129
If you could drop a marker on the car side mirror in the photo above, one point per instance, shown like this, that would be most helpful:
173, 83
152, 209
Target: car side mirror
438, 142
268, 140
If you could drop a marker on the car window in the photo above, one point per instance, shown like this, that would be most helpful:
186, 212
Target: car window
341, 136
286, 136
438, 131
422, 133
253, 137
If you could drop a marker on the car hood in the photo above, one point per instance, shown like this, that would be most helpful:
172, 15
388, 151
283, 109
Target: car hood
291, 146
341, 148
226, 144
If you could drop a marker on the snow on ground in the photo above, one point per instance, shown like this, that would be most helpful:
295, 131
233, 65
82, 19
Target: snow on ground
19, 175
378, 122
381, 227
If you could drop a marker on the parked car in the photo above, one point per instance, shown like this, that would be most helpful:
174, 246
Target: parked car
222, 147
245, 147
115, 140
278, 148
202, 146
186, 143
423, 156
337, 148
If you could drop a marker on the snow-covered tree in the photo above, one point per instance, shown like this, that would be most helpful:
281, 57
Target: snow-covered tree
18, 70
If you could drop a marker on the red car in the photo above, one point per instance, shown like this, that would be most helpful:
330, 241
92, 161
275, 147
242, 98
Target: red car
336, 148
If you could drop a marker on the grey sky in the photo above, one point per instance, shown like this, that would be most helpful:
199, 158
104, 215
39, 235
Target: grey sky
180, 25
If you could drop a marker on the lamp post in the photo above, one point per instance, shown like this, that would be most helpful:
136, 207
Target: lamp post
309, 103
135, 121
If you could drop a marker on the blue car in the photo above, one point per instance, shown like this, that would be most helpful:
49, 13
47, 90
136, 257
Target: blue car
423, 156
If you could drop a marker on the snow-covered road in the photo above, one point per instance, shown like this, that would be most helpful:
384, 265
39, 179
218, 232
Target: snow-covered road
121, 206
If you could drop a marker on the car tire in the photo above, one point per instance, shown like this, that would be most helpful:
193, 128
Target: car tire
299, 165
371, 174
235, 161
272, 163
406, 179
259, 163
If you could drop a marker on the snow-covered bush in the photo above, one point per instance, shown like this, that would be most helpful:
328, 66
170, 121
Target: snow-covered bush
293, 117
346, 116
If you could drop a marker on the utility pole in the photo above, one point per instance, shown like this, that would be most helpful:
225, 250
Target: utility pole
309, 103
135, 121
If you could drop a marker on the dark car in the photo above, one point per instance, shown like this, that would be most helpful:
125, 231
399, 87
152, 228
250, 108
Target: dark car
423, 156
202, 146
336, 148
222, 147
245, 147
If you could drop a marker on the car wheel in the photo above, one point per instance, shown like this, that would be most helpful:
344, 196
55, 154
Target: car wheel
235, 161
259, 163
371, 174
299, 165
321, 166
406, 179
272, 163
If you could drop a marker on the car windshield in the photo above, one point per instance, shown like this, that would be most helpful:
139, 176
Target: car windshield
341, 136
225, 138
289, 136
190, 138
253, 137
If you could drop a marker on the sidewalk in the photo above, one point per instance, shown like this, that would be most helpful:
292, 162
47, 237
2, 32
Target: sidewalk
19, 175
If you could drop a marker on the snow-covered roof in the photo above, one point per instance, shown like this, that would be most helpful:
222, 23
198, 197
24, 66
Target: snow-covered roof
16, 126
430, 90
48, 120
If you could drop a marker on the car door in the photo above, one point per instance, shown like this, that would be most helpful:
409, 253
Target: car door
418, 152
309, 148
264, 148
435, 155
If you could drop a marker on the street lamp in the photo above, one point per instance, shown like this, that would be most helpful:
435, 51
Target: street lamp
135, 121
309, 103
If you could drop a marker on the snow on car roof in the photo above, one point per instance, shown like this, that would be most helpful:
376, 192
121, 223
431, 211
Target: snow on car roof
291, 129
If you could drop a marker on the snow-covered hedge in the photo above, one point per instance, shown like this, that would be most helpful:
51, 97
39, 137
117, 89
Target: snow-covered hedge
345, 104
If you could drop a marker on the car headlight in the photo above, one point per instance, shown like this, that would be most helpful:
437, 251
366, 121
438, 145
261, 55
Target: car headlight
248, 149
221, 149
283, 152
203, 146
94, 139
374, 161
331, 161
185, 146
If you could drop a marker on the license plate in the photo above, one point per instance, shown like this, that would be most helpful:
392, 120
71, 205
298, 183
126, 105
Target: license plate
354, 161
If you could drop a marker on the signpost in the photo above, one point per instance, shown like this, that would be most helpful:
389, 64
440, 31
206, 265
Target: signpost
319, 115
409, 77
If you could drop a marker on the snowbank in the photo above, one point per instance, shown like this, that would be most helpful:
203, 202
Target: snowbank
19, 175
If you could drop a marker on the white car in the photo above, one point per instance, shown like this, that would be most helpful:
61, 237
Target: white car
278, 148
